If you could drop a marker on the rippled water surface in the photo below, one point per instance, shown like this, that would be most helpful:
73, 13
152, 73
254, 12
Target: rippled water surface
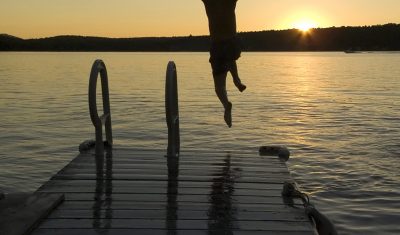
338, 113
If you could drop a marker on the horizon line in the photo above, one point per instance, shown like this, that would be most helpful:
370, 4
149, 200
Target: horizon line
190, 35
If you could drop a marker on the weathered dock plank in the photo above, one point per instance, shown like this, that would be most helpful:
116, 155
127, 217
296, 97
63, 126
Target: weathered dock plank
140, 192
162, 232
182, 224
244, 215
21, 213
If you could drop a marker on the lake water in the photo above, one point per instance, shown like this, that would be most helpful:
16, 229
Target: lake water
338, 113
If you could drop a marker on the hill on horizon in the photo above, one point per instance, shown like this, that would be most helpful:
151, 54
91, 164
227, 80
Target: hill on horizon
364, 38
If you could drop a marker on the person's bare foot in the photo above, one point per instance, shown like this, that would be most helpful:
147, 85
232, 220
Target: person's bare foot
240, 86
228, 115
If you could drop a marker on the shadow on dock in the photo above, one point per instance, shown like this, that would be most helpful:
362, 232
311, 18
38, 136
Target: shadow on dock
102, 207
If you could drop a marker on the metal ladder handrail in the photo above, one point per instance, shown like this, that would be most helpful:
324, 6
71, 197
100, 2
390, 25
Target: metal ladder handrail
172, 110
105, 119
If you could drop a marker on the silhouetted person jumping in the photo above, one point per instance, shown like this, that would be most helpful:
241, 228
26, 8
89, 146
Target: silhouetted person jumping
225, 49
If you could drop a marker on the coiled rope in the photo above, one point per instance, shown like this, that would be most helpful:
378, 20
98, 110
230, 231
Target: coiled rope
322, 224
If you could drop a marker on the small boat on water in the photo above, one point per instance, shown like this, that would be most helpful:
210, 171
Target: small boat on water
350, 51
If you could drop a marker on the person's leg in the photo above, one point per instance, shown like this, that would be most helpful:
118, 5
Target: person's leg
220, 90
235, 75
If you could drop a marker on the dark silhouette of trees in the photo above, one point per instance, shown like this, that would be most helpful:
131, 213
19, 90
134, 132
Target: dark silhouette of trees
364, 38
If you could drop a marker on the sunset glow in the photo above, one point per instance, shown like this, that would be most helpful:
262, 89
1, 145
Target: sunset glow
125, 18
305, 25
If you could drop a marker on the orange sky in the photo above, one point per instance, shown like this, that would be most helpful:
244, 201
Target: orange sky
135, 18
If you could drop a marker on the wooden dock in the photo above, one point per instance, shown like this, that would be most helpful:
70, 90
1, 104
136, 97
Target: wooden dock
133, 191
110, 190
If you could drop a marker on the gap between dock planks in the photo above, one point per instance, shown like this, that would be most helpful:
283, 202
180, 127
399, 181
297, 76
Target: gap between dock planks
131, 192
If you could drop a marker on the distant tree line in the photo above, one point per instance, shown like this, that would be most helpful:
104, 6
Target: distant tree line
363, 38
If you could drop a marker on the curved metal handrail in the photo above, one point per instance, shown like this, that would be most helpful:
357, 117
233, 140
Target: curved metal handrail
105, 119
172, 110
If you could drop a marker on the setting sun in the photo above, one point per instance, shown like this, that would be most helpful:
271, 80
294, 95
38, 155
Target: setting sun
305, 25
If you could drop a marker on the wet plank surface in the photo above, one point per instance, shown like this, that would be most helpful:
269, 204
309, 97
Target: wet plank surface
142, 192
20, 213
